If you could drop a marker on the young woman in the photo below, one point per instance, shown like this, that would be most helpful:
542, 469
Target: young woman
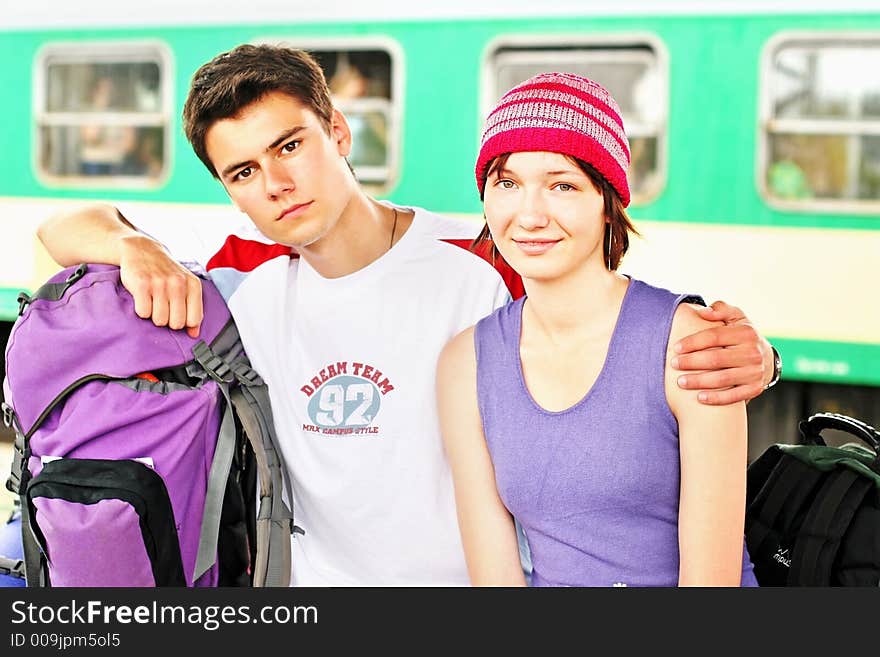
561, 409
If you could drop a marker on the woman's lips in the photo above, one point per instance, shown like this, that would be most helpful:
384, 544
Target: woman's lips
535, 247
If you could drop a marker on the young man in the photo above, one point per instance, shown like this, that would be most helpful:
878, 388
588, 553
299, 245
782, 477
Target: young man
343, 304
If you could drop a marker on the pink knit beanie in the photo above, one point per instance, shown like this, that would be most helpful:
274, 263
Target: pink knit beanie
559, 113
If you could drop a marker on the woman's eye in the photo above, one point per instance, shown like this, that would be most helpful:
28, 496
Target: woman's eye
505, 184
564, 187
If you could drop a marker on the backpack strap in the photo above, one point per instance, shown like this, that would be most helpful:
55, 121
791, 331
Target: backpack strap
258, 390
274, 518
34, 563
824, 525
260, 396
787, 487
248, 396
812, 428
19, 475
216, 490
19, 463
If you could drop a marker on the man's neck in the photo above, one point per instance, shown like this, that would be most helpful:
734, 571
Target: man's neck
362, 235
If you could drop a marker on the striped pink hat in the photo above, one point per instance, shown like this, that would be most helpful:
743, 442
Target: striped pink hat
559, 113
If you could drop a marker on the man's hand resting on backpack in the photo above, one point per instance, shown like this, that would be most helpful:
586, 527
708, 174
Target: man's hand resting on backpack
163, 289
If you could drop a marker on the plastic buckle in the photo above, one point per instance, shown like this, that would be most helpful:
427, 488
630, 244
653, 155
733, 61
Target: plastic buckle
216, 368
13, 567
78, 273
219, 370
247, 376
23, 301
7, 415
13, 483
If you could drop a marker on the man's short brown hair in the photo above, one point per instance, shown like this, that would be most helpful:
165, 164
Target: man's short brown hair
233, 80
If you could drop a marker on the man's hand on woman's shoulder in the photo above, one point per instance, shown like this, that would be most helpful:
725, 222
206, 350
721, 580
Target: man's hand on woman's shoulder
736, 362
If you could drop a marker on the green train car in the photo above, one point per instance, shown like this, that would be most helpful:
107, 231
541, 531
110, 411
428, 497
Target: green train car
755, 132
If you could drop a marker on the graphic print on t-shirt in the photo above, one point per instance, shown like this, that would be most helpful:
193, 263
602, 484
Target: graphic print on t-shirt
345, 397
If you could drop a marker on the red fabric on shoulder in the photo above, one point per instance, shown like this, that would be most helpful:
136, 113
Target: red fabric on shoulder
246, 255
484, 251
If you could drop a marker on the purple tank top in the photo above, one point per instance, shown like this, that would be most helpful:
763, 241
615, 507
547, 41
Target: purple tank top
596, 486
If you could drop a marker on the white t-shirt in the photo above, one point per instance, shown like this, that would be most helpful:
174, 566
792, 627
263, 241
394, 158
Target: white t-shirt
350, 365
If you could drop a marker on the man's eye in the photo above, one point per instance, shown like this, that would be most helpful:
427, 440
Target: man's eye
244, 173
290, 146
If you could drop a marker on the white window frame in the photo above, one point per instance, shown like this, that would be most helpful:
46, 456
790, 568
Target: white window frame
489, 93
115, 52
768, 124
392, 109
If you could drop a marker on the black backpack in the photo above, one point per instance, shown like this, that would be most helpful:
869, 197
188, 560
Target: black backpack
813, 511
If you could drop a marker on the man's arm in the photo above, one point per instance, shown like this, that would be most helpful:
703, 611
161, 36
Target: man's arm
737, 363
163, 290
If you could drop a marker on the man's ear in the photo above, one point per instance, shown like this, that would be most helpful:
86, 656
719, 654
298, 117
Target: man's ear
340, 132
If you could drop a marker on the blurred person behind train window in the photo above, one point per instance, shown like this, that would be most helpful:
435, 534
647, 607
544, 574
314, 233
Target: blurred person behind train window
786, 178
145, 158
104, 148
347, 86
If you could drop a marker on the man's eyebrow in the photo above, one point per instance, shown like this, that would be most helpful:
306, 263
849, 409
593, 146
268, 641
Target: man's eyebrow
284, 136
287, 134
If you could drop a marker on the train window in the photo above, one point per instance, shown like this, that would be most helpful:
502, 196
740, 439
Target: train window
363, 76
633, 69
821, 122
102, 114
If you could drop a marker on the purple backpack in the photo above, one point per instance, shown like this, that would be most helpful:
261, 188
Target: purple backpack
143, 457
